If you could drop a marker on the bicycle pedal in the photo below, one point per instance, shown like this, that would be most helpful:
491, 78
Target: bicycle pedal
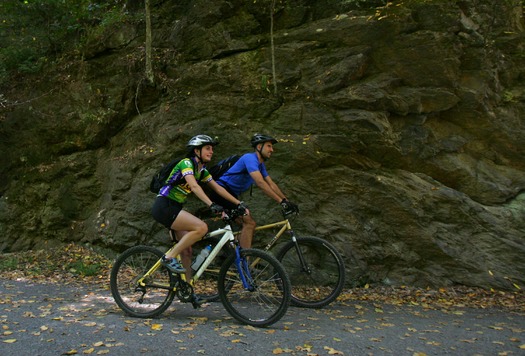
197, 301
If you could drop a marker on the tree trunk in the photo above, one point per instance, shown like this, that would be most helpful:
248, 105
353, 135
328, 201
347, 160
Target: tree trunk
274, 76
149, 67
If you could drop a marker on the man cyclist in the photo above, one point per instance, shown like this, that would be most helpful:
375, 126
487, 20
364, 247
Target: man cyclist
250, 169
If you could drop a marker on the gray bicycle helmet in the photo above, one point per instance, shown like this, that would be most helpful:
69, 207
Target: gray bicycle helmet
261, 138
200, 141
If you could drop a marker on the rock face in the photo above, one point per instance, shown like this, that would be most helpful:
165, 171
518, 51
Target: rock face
401, 129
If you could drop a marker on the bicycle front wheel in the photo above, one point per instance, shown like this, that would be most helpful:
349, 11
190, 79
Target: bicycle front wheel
264, 297
136, 295
319, 278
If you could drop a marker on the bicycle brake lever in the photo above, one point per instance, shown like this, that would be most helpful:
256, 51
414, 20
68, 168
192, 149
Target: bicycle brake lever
286, 214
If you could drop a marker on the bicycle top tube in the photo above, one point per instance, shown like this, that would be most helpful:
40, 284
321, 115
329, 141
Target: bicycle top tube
218, 231
275, 224
227, 219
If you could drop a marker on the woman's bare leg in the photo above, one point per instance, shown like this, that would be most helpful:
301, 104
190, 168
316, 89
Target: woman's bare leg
185, 255
195, 228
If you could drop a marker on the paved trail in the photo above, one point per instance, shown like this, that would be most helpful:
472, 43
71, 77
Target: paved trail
46, 319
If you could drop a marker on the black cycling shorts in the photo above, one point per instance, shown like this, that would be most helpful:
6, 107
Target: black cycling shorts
216, 198
165, 210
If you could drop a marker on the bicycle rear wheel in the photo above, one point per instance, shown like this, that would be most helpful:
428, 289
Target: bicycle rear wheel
267, 297
321, 279
148, 299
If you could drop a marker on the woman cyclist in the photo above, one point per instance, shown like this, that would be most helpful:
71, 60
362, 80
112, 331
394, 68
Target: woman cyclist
168, 207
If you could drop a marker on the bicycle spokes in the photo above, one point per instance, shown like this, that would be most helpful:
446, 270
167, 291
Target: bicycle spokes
316, 270
138, 287
254, 294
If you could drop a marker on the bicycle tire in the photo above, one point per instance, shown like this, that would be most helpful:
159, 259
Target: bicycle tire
325, 279
137, 301
268, 299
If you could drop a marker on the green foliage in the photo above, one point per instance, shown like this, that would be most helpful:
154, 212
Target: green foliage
357, 2
33, 32
8, 263
509, 97
111, 17
84, 268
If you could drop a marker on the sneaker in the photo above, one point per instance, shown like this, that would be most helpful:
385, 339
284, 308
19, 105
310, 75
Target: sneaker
173, 265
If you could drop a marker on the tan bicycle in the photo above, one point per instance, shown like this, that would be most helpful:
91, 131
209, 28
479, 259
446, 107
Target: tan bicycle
315, 267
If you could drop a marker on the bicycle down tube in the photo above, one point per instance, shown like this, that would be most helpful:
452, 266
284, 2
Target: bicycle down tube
228, 236
285, 226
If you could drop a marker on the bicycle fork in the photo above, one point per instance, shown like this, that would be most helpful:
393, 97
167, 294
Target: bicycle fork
304, 266
244, 271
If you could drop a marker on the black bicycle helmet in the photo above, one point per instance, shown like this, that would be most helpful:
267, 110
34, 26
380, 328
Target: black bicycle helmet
200, 141
261, 138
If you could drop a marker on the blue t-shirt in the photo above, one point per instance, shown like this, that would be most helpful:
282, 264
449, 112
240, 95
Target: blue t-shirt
237, 179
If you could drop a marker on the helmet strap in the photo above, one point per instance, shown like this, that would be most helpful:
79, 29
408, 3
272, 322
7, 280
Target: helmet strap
260, 151
198, 156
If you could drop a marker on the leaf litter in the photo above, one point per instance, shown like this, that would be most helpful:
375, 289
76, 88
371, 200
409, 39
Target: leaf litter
76, 264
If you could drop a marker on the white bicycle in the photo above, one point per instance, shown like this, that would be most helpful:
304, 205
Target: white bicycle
253, 285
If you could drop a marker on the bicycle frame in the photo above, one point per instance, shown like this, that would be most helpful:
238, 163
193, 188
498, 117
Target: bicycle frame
284, 225
227, 236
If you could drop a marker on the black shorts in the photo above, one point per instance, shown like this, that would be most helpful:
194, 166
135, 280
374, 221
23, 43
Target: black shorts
165, 210
216, 198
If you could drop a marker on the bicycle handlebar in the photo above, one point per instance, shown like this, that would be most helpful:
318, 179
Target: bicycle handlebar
288, 213
231, 215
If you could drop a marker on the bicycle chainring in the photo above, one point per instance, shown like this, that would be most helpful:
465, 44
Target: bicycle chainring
185, 292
